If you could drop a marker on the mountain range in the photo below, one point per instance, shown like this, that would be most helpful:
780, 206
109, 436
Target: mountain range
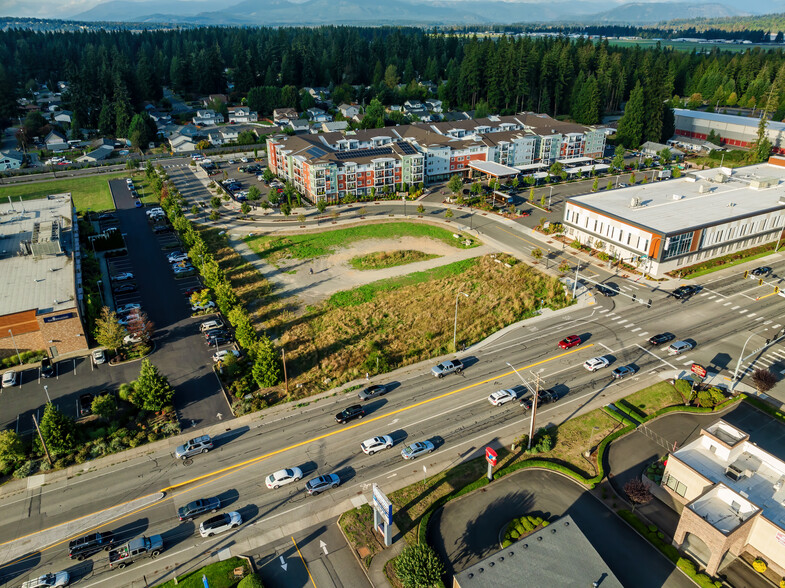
397, 12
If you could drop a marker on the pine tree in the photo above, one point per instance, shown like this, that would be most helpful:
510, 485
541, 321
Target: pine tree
58, 430
152, 390
630, 131
761, 148
266, 370
106, 120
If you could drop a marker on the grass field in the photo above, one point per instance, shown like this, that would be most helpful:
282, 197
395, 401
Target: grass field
384, 259
686, 45
651, 399
310, 245
88, 192
219, 575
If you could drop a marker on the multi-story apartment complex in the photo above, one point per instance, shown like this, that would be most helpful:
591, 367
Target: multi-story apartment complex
331, 164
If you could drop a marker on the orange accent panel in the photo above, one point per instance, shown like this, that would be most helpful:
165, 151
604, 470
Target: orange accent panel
19, 323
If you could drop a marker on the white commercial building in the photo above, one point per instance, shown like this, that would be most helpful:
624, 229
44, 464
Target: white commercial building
664, 226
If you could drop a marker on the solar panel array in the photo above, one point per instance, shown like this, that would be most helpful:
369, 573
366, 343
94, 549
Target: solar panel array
343, 155
407, 148
316, 152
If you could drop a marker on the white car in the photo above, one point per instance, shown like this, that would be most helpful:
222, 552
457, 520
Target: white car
99, 356
47, 580
371, 446
9, 379
220, 523
679, 347
283, 477
132, 338
596, 363
220, 355
502, 397
127, 307
154, 210
177, 258
207, 306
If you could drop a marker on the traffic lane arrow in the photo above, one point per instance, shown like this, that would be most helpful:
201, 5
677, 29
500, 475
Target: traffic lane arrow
284, 565
323, 546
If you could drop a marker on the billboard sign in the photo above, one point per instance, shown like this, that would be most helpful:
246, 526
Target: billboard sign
382, 504
491, 456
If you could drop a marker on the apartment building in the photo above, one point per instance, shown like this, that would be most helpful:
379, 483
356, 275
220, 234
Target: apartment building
733, 497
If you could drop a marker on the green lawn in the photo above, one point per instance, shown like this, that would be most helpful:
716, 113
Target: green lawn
384, 259
88, 192
684, 45
219, 575
651, 399
310, 245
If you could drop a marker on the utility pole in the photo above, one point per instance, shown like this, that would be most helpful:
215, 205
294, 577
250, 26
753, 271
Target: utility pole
41, 437
534, 408
285, 377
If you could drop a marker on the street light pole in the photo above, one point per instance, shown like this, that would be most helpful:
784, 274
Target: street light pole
19, 357
549, 198
455, 327
46, 391
575, 284
742, 358
534, 403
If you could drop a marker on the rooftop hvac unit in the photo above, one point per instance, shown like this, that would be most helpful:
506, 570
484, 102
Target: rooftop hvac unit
720, 178
703, 189
635, 202
736, 473
677, 196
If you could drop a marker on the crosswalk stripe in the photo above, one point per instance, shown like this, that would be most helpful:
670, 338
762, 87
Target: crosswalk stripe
713, 297
752, 314
776, 326
621, 321
644, 333
628, 325
603, 310
688, 362
728, 304
743, 310
735, 307
760, 318
636, 329
767, 323
705, 294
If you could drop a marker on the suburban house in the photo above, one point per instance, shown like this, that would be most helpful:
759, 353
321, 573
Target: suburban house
229, 134
318, 93
190, 130
56, 141
62, 116
159, 117
338, 125
299, 125
349, 110
318, 115
11, 159
215, 137
281, 116
242, 114
99, 154
413, 105
434, 105
208, 117
212, 97
181, 144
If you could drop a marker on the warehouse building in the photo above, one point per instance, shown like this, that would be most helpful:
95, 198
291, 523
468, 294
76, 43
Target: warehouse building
734, 131
732, 495
40, 289
663, 226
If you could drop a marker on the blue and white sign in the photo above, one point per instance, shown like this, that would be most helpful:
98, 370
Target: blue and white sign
382, 504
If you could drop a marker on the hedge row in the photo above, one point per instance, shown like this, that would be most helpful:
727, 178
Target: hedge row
634, 417
27, 357
618, 417
698, 409
634, 411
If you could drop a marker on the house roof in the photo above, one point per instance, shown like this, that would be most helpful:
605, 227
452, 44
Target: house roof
100, 153
12, 154
54, 134
557, 555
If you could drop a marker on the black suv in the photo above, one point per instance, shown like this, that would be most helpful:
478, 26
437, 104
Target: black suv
355, 411
543, 397
47, 369
685, 291
661, 338
90, 545
606, 290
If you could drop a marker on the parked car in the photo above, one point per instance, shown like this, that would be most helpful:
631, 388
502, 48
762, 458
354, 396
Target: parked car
191, 447
47, 369
661, 338
683, 292
211, 324
501, 397
127, 307
176, 256
88, 545
218, 339
679, 347
132, 339
107, 216
372, 391
122, 277
356, 411
136, 549
623, 371
322, 483
220, 523
371, 446
596, 363
85, 404
9, 379
198, 507
214, 331
184, 269
417, 449
206, 306
221, 355
570, 341
48, 580
124, 288
543, 397
283, 477
761, 271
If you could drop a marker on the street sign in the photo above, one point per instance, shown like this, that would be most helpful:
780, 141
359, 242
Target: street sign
491, 456
698, 370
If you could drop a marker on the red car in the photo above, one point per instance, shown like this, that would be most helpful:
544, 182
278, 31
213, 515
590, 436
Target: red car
188, 293
570, 341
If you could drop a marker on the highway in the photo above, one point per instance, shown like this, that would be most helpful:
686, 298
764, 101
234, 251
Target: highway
452, 412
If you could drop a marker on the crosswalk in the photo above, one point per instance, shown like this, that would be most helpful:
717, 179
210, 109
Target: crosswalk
171, 165
772, 358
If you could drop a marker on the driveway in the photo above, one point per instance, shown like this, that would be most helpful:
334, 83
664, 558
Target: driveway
467, 530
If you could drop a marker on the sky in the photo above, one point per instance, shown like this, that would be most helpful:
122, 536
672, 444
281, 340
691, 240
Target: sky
53, 8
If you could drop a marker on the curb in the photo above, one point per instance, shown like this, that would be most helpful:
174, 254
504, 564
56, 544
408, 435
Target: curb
354, 551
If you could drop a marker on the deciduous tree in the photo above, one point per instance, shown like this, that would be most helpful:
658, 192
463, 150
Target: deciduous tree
108, 332
419, 566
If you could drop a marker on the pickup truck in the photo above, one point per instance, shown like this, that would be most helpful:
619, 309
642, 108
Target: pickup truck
447, 367
136, 549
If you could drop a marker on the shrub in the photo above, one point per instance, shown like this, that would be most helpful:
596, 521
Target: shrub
683, 387
759, 565
545, 523
252, 581
514, 534
419, 566
506, 543
28, 468
687, 566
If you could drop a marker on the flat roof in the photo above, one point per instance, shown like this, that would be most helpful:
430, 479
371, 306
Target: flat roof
39, 280
729, 119
694, 200
557, 555
493, 168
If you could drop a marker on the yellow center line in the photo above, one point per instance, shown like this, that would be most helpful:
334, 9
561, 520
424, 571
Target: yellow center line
224, 472
302, 559
766, 296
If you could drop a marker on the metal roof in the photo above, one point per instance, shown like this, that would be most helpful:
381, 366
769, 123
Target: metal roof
35, 275
727, 118
493, 168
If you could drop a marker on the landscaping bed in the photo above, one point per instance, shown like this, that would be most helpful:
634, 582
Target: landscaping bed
718, 263
219, 575
385, 259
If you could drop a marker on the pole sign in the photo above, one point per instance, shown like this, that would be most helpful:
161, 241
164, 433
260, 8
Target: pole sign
382, 504
491, 456
698, 370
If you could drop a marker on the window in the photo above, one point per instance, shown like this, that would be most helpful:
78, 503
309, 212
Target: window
678, 245
672, 483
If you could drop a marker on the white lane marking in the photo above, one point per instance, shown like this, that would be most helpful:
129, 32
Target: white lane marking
621, 322
735, 307
713, 297
635, 329
752, 314
644, 333
606, 347
767, 323
743, 310
656, 356
727, 303
628, 325
760, 318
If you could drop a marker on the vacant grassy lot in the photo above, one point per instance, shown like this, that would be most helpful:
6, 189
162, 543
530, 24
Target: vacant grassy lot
88, 192
383, 259
651, 399
219, 575
316, 244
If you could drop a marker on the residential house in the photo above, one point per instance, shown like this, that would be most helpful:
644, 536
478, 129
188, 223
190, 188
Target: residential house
99, 154
208, 117
358, 118
181, 144
349, 110
11, 159
229, 134
56, 141
318, 93
62, 117
160, 118
434, 105
282, 116
242, 114
419, 114
190, 130
299, 125
429, 85
220, 97
318, 115
410, 105
331, 127
651, 149
215, 137
394, 108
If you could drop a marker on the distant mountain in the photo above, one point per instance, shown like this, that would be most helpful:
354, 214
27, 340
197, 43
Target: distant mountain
378, 12
652, 12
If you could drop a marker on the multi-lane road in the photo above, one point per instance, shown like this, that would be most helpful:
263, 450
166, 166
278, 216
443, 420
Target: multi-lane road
452, 412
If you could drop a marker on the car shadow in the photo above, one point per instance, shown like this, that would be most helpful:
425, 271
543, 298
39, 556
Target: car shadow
394, 385
248, 512
308, 467
611, 358
437, 440
584, 337
24, 566
131, 530
228, 497
399, 436
345, 474
469, 361
230, 435
374, 405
